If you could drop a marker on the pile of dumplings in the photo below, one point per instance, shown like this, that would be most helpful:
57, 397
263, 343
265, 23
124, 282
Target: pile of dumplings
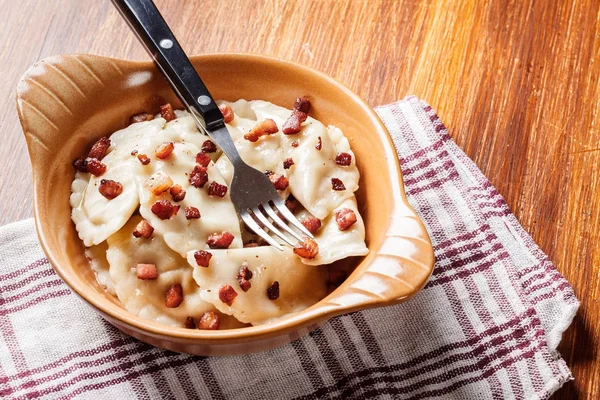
165, 268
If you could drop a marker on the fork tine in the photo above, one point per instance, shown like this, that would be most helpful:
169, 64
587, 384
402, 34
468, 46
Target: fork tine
258, 230
280, 222
271, 227
281, 207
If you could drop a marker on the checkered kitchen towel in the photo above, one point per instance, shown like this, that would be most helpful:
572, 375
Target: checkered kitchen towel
486, 325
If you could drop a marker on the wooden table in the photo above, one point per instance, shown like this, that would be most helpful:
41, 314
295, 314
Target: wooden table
516, 83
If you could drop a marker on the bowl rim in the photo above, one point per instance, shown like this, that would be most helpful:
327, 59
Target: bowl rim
315, 313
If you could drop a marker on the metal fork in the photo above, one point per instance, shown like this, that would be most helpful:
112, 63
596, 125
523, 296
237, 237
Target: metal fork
251, 191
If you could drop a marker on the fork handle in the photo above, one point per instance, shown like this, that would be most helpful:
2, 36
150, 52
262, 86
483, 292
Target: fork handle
150, 27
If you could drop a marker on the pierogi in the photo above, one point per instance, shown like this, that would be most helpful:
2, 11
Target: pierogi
151, 204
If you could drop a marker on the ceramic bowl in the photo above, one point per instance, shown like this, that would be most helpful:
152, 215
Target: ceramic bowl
65, 103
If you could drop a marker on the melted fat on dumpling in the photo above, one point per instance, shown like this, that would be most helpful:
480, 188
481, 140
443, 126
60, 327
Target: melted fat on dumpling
300, 285
335, 244
217, 214
146, 298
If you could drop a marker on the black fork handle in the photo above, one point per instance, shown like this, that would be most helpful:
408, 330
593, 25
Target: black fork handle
148, 24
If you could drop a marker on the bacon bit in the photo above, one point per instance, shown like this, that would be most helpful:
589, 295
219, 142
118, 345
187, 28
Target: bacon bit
269, 172
190, 323
287, 163
158, 183
202, 258
209, 321
250, 244
307, 249
146, 271
177, 193
266, 127
166, 111
174, 296
191, 212
337, 277
319, 144
99, 148
292, 124
80, 165
337, 184
95, 167
243, 277
227, 294
199, 176
227, 112
143, 159
220, 240
291, 203
203, 159
163, 209
110, 189
343, 159
217, 190
302, 104
208, 147
164, 150
279, 181
295, 143
133, 152
141, 117
273, 291
143, 229
312, 224
345, 217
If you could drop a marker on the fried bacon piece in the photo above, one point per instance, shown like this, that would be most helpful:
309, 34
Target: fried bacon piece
190, 323
166, 111
202, 159
266, 127
319, 144
227, 112
219, 240
345, 217
217, 190
343, 159
208, 147
295, 143
273, 291
191, 212
243, 277
279, 181
143, 229
302, 104
337, 184
209, 321
164, 150
287, 163
163, 209
80, 165
177, 193
291, 203
110, 189
312, 224
99, 148
95, 167
146, 271
143, 159
292, 125
227, 294
307, 249
159, 182
141, 117
174, 296
202, 258
199, 176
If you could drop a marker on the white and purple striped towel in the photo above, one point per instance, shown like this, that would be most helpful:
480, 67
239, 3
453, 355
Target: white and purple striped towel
486, 325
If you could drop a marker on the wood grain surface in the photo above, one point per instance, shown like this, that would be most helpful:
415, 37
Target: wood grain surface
515, 81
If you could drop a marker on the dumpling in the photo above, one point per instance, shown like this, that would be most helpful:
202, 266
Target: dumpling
299, 285
216, 214
335, 244
97, 257
146, 298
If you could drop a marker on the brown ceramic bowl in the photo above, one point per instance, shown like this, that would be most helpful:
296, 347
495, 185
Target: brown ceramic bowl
65, 103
